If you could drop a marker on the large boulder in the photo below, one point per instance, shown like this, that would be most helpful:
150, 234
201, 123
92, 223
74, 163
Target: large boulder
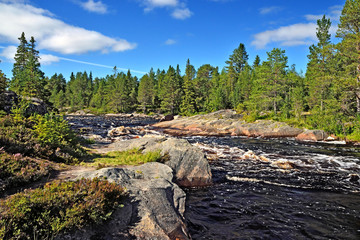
10, 99
189, 164
156, 208
312, 135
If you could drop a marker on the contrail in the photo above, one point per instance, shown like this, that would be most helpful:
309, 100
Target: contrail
100, 65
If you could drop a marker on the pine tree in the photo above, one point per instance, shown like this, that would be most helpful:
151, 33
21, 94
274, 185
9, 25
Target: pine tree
28, 79
171, 91
188, 105
203, 86
349, 47
17, 82
270, 84
318, 75
146, 92
238, 59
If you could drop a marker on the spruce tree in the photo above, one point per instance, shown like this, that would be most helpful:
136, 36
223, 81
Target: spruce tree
188, 105
349, 48
318, 75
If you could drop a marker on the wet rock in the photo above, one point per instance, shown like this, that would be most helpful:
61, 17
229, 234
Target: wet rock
157, 204
312, 135
119, 131
190, 166
167, 118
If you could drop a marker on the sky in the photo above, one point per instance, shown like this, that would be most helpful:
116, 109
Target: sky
96, 35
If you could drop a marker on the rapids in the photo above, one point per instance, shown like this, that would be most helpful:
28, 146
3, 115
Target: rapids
276, 189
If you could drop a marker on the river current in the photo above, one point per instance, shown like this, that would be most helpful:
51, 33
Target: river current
276, 189
265, 188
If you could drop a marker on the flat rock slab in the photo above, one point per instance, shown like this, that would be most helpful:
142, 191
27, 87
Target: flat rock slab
226, 122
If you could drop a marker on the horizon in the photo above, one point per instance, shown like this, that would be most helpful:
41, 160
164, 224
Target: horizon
94, 36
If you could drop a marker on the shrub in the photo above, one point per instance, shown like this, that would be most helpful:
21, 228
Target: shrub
58, 207
46, 136
16, 170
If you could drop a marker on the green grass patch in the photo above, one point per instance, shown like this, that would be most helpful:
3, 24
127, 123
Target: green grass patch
57, 208
129, 157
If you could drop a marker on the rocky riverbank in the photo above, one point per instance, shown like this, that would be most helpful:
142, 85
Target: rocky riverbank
227, 122
156, 204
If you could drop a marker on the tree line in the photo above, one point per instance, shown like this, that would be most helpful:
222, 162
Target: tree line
327, 97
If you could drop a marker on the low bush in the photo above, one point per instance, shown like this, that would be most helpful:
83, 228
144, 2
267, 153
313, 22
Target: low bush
46, 136
57, 208
17, 170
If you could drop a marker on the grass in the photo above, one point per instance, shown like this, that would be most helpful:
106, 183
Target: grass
129, 157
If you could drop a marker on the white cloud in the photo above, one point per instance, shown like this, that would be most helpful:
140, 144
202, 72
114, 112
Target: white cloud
9, 53
93, 6
150, 4
178, 8
268, 10
296, 34
181, 13
170, 42
47, 59
53, 34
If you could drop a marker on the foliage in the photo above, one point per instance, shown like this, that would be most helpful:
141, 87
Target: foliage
129, 157
16, 170
57, 208
28, 79
46, 136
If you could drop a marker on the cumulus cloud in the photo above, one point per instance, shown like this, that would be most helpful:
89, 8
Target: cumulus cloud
54, 34
170, 42
296, 34
93, 6
178, 8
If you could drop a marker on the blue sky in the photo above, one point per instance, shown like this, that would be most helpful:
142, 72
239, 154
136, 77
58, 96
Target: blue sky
95, 35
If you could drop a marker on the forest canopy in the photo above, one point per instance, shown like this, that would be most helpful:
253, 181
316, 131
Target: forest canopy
326, 97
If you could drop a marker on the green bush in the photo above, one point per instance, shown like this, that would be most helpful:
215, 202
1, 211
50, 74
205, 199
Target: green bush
58, 207
46, 136
16, 170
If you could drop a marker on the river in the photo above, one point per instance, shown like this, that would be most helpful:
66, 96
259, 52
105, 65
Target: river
276, 189
265, 189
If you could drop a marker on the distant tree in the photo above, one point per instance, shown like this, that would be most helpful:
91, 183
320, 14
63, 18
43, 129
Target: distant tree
3, 81
238, 60
318, 75
202, 86
188, 105
349, 48
270, 84
257, 61
146, 92
171, 91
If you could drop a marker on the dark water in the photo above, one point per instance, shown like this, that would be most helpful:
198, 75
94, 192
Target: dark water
315, 196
